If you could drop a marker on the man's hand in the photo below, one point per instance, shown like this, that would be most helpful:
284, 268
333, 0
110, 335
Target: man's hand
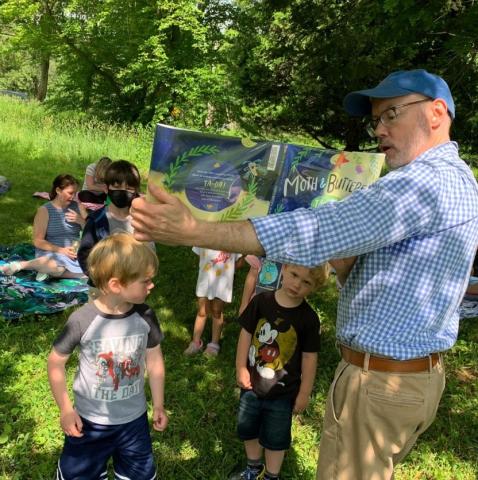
71, 423
169, 221
343, 267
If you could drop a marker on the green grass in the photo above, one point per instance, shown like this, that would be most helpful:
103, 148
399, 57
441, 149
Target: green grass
201, 398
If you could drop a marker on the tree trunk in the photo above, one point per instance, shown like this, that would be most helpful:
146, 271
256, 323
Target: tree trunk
43, 82
86, 100
353, 135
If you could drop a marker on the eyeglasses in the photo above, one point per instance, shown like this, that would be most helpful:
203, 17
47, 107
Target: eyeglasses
388, 116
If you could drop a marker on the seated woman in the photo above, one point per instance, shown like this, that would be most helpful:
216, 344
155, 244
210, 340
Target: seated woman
95, 175
93, 194
56, 234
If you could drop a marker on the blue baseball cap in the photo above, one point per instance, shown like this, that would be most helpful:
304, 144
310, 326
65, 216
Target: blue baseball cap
397, 84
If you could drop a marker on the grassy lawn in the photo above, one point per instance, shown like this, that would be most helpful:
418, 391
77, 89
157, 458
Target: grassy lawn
200, 442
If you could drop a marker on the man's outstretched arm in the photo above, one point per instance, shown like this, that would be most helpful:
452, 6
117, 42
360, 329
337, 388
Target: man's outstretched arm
171, 223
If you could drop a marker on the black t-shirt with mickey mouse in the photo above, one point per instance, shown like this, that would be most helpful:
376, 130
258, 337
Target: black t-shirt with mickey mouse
279, 336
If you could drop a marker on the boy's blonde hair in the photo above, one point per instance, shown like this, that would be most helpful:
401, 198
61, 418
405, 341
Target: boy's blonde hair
320, 274
120, 256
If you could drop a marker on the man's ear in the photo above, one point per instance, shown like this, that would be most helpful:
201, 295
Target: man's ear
439, 112
114, 285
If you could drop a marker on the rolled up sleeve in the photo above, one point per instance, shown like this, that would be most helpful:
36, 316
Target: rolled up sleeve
387, 212
290, 237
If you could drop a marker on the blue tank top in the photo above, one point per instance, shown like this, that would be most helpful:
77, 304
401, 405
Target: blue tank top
60, 232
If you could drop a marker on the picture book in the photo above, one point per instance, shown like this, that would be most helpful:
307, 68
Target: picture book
222, 178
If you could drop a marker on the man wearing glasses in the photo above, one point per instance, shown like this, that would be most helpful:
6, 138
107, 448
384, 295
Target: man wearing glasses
414, 234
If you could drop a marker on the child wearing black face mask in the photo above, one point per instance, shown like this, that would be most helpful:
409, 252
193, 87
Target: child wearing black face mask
122, 180
121, 198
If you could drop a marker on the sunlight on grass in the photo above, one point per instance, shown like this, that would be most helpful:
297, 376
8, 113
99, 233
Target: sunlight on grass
68, 138
430, 465
305, 445
166, 313
201, 395
177, 331
187, 451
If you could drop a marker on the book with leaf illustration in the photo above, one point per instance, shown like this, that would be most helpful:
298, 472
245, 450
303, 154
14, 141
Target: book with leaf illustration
223, 178
217, 177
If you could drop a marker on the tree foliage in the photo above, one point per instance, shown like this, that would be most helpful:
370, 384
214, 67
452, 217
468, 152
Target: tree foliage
134, 60
306, 55
266, 66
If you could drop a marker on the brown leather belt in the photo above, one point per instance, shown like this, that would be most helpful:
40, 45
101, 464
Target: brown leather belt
381, 364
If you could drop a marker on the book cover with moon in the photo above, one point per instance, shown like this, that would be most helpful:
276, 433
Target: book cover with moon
223, 178
218, 178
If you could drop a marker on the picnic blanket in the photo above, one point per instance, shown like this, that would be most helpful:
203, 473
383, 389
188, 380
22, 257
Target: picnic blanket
22, 295
468, 307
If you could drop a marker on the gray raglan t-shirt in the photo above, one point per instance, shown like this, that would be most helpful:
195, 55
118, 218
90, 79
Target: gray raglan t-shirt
109, 382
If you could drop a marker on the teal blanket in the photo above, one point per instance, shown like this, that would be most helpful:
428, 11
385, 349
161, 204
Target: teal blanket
22, 295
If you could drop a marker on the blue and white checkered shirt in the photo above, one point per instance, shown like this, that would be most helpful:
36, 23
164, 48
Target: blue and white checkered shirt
415, 232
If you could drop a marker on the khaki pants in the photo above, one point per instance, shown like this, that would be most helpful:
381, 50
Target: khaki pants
372, 420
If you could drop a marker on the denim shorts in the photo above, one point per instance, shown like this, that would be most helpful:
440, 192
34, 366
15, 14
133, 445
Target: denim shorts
86, 457
268, 420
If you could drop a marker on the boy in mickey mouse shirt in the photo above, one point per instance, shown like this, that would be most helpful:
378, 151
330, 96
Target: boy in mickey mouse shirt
276, 362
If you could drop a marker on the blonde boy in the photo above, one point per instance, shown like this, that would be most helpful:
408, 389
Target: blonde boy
276, 362
118, 337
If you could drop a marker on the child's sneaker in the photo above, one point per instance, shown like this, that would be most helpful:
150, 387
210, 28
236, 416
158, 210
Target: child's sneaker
193, 348
250, 473
212, 349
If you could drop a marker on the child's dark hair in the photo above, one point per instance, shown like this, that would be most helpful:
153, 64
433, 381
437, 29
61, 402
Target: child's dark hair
122, 171
62, 181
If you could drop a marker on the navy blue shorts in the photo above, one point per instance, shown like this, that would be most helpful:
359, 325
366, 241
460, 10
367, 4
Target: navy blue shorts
267, 420
86, 457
